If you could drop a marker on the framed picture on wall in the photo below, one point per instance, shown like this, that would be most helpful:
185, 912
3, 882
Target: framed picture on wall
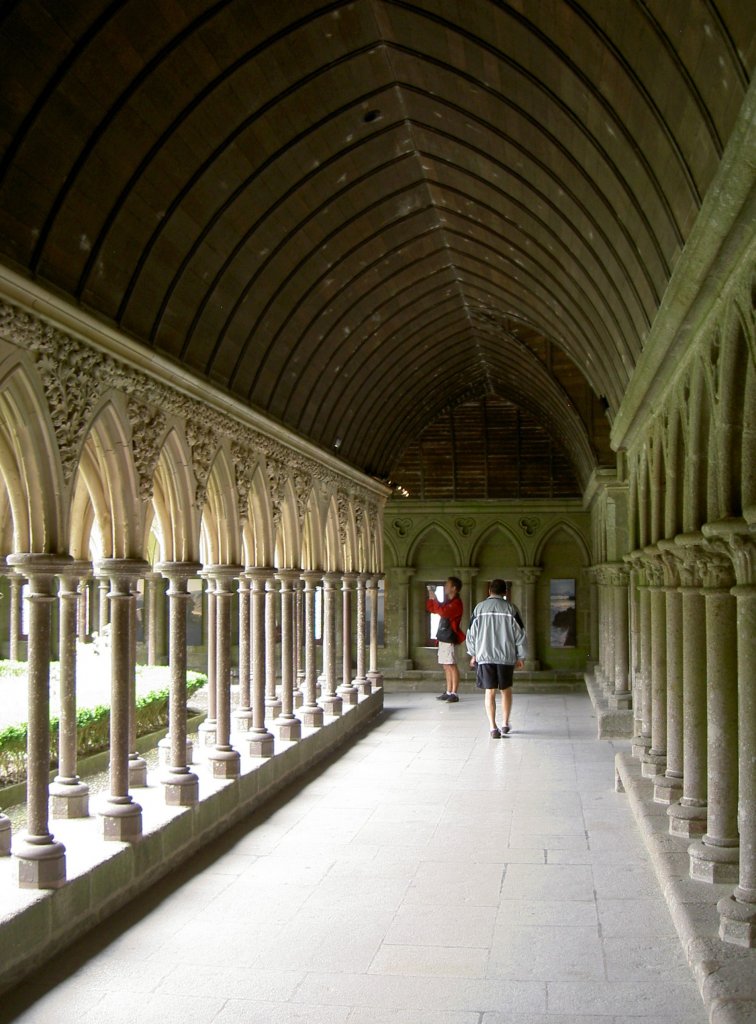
563, 615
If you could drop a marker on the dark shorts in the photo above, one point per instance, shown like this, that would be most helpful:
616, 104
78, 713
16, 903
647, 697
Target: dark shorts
494, 677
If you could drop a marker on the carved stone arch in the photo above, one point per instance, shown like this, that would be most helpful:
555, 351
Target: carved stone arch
696, 469
173, 499
6, 524
312, 554
422, 538
288, 538
333, 547
674, 470
643, 505
106, 455
89, 513
633, 512
657, 479
38, 499
731, 412
563, 525
747, 470
260, 553
15, 496
222, 512
483, 538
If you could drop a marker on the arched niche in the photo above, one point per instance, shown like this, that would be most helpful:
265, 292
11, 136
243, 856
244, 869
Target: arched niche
258, 532
176, 517
30, 465
221, 514
106, 470
562, 555
312, 535
497, 554
333, 548
288, 541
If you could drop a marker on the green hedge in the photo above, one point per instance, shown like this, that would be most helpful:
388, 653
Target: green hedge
93, 730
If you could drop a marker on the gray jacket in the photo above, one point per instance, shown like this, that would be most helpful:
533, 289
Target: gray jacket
494, 635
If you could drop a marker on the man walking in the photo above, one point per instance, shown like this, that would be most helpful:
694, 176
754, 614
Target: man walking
496, 643
448, 633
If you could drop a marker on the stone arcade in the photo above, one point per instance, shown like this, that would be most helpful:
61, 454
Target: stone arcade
304, 306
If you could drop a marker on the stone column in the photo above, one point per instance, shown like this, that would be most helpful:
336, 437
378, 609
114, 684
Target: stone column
103, 607
69, 796
258, 741
207, 730
715, 856
299, 641
635, 676
594, 616
528, 577
40, 861
288, 725
374, 676
243, 715
225, 761
737, 912
14, 638
621, 698
687, 817
654, 761
272, 700
642, 740
669, 786
347, 691
330, 701
361, 681
137, 764
607, 589
181, 785
121, 816
82, 621
402, 578
152, 595
310, 712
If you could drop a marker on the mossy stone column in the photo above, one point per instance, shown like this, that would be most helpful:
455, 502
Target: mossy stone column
272, 595
330, 701
258, 740
361, 680
641, 742
223, 758
668, 787
207, 730
653, 761
621, 698
310, 711
243, 714
121, 816
180, 784
373, 674
39, 859
347, 690
69, 796
288, 725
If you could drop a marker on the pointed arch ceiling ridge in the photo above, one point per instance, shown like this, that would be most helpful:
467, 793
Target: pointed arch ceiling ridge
337, 206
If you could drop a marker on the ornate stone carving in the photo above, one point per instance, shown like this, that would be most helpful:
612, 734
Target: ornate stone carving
203, 443
529, 525
402, 526
147, 429
342, 508
277, 476
465, 526
244, 469
303, 490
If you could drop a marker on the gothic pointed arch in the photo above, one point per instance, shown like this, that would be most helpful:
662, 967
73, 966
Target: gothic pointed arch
565, 526
107, 470
222, 514
333, 547
312, 535
288, 539
30, 463
508, 539
259, 530
173, 501
436, 535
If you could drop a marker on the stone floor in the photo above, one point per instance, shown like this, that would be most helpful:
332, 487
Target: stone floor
430, 875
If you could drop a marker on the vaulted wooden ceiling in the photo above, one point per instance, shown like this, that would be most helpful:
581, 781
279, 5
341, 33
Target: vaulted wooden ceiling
356, 214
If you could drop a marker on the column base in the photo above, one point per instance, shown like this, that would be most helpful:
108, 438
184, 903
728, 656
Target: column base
653, 764
375, 678
259, 744
242, 720
709, 863
137, 772
667, 789
225, 762
620, 701
311, 716
121, 820
207, 732
298, 698
69, 799
737, 921
640, 745
349, 695
6, 832
288, 728
39, 863
272, 707
687, 820
331, 704
181, 788
164, 752
363, 686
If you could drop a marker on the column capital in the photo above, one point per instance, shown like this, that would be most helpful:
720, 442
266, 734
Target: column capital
331, 580
716, 570
347, 579
311, 577
122, 570
224, 576
259, 573
38, 566
529, 573
735, 538
178, 570
287, 576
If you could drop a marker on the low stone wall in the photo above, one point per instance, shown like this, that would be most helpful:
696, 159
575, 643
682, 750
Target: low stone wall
103, 876
726, 974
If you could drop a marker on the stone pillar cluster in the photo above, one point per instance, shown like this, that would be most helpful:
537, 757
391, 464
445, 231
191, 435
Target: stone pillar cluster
677, 629
278, 633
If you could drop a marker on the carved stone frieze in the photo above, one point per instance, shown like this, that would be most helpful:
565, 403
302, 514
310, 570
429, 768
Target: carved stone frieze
245, 464
277, 477
402, 526
147, 428
529, 525
465, 526
75, 376
303, 489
